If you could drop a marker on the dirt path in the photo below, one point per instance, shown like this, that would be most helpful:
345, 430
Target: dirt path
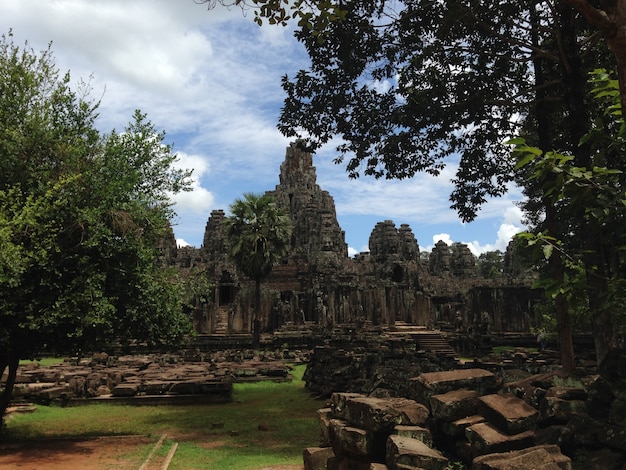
103, 453
63, 454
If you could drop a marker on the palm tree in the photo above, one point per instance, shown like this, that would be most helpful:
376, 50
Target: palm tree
258, 238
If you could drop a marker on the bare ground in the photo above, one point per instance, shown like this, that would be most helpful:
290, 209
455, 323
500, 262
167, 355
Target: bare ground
103, 453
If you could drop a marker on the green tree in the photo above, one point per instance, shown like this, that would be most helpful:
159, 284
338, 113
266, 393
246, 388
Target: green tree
258, 234
596, 194
491, 264
609, 18
315, 15
81, 215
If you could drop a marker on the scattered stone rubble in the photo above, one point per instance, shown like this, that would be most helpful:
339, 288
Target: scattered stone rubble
148, 378
475, 417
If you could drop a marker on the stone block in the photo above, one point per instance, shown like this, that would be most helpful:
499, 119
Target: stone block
457, 428
77, 385
189, 387
433, 383
338, 401
316, 458
453, 405
103, 390
414, 432
126, 389
53, 393
324, 415
509, 413
484, 438
154, 387
547, 457
407, 452
382, 414
348, 440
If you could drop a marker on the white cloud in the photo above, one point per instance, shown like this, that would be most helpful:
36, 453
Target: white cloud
181, 243
444, 237
199, 198
504, 236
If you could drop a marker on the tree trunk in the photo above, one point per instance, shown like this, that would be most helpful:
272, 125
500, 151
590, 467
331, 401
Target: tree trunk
598, 271
12, 361
256, 322
576, 87
543, 115
564, 324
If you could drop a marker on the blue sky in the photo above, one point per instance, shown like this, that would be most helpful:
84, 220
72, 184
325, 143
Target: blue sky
211, 81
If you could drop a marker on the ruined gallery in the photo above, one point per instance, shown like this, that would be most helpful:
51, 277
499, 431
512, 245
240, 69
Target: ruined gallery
319, 286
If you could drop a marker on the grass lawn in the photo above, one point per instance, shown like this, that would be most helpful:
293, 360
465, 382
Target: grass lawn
267, 424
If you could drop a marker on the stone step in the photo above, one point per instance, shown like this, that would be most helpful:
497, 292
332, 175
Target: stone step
508, 413
426, 340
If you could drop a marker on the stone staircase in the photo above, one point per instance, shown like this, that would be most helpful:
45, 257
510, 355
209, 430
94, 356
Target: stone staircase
427, 340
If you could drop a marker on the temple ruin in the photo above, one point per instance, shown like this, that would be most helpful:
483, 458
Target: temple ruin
318, 285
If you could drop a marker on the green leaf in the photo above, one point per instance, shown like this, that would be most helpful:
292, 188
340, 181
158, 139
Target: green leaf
547, 251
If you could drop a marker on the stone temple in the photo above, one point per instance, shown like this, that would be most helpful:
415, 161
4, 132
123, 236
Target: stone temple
318, 285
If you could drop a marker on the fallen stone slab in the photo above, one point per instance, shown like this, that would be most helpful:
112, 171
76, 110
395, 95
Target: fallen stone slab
404, 451
125, 390
154, 387
484, 438
382, 414
509, 413
433, 383
457, 428
338, 400
48, 394
453, 405
324, 415
415, 432
353, 441
548, 457
316, 458
27, 390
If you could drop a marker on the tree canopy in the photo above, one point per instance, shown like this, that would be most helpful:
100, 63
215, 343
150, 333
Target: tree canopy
81, 217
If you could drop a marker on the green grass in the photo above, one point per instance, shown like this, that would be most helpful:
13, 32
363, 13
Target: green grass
209, 436
43, 362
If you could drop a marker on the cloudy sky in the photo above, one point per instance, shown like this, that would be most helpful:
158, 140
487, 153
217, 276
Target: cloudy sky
211, 81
